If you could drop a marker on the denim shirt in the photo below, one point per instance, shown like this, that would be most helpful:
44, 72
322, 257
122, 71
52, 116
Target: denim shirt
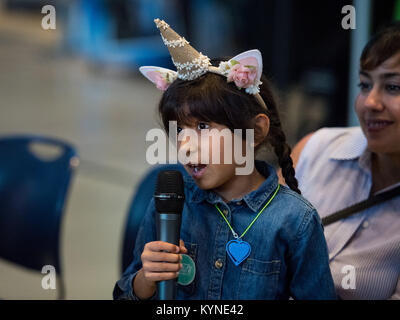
288, 258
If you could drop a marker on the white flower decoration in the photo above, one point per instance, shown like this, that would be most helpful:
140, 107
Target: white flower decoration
254, 89
171, 76
224, 67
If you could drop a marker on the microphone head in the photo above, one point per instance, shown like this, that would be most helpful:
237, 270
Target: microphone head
169, 196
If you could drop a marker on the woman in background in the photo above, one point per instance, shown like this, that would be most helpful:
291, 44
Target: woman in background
338, 167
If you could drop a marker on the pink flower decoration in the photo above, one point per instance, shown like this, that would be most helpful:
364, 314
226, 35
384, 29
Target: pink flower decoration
243, 76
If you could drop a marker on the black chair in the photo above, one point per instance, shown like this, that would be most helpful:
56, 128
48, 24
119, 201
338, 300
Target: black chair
35, 174
141, 199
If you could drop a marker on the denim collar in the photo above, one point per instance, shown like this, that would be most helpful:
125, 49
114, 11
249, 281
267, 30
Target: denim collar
254, 199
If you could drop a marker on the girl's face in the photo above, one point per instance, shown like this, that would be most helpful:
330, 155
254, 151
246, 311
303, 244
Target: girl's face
208, 173
378, 106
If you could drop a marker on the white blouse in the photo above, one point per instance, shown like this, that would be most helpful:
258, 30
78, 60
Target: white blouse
364, 249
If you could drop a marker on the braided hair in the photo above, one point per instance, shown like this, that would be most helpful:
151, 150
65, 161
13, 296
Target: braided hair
277, 138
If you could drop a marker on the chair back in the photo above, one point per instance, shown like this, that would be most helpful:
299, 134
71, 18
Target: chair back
35, 174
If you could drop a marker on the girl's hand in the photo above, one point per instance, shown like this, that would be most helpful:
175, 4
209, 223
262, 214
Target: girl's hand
161, 261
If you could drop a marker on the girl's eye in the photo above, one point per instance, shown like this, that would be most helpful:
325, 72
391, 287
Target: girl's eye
364, 86
202, 125
393, 88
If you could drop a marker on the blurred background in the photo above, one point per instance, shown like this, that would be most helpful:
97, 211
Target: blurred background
79, 84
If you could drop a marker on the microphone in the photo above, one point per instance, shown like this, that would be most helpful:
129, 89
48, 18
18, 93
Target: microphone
169, 199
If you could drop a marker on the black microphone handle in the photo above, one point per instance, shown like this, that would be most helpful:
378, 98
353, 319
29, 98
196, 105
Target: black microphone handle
169, 226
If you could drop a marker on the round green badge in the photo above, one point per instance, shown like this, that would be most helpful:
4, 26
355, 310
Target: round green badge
188, 271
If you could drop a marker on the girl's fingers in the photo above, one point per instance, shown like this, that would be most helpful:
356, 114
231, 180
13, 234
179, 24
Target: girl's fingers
160, 276
161, 257
162, 267
182, 247
161, 246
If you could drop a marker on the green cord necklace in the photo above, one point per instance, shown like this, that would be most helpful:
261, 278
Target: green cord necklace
237, 249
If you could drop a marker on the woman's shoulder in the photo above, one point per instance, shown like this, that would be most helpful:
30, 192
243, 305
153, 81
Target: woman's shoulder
331, 137
326, 137
327, 142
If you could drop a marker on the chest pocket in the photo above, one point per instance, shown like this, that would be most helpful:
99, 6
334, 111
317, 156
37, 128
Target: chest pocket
259, 279
185, 291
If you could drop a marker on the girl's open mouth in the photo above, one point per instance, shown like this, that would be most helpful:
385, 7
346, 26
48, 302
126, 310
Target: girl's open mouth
197, 170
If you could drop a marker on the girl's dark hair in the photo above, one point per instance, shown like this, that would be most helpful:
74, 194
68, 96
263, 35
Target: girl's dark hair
381, 47
210, 98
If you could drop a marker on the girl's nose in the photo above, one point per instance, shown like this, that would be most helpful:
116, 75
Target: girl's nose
188, 148
189, 145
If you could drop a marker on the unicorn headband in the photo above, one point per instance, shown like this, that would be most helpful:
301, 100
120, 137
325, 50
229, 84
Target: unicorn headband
244, 70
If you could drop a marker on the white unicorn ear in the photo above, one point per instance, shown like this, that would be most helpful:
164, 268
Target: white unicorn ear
249, 58
161, 77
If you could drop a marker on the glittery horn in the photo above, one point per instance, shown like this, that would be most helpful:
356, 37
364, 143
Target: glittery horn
189, 63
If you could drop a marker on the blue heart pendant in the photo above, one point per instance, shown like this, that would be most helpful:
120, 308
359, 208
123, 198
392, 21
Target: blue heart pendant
238, 250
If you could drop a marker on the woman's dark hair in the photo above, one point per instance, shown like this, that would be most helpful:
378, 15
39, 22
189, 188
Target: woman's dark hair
382, 46
210, 98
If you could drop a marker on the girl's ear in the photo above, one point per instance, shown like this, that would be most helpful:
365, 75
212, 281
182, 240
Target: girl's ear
161, 77
261, 128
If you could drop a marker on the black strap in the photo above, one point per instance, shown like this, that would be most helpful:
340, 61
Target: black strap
371, 201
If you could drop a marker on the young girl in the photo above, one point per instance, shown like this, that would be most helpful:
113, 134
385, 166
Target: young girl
245, 236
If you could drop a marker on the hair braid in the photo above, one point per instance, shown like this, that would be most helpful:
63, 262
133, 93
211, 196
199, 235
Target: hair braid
282, 150
277, 139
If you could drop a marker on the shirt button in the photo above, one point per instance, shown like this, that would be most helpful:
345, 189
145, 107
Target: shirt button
218, 264
239, 203
365, 224
225, 212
